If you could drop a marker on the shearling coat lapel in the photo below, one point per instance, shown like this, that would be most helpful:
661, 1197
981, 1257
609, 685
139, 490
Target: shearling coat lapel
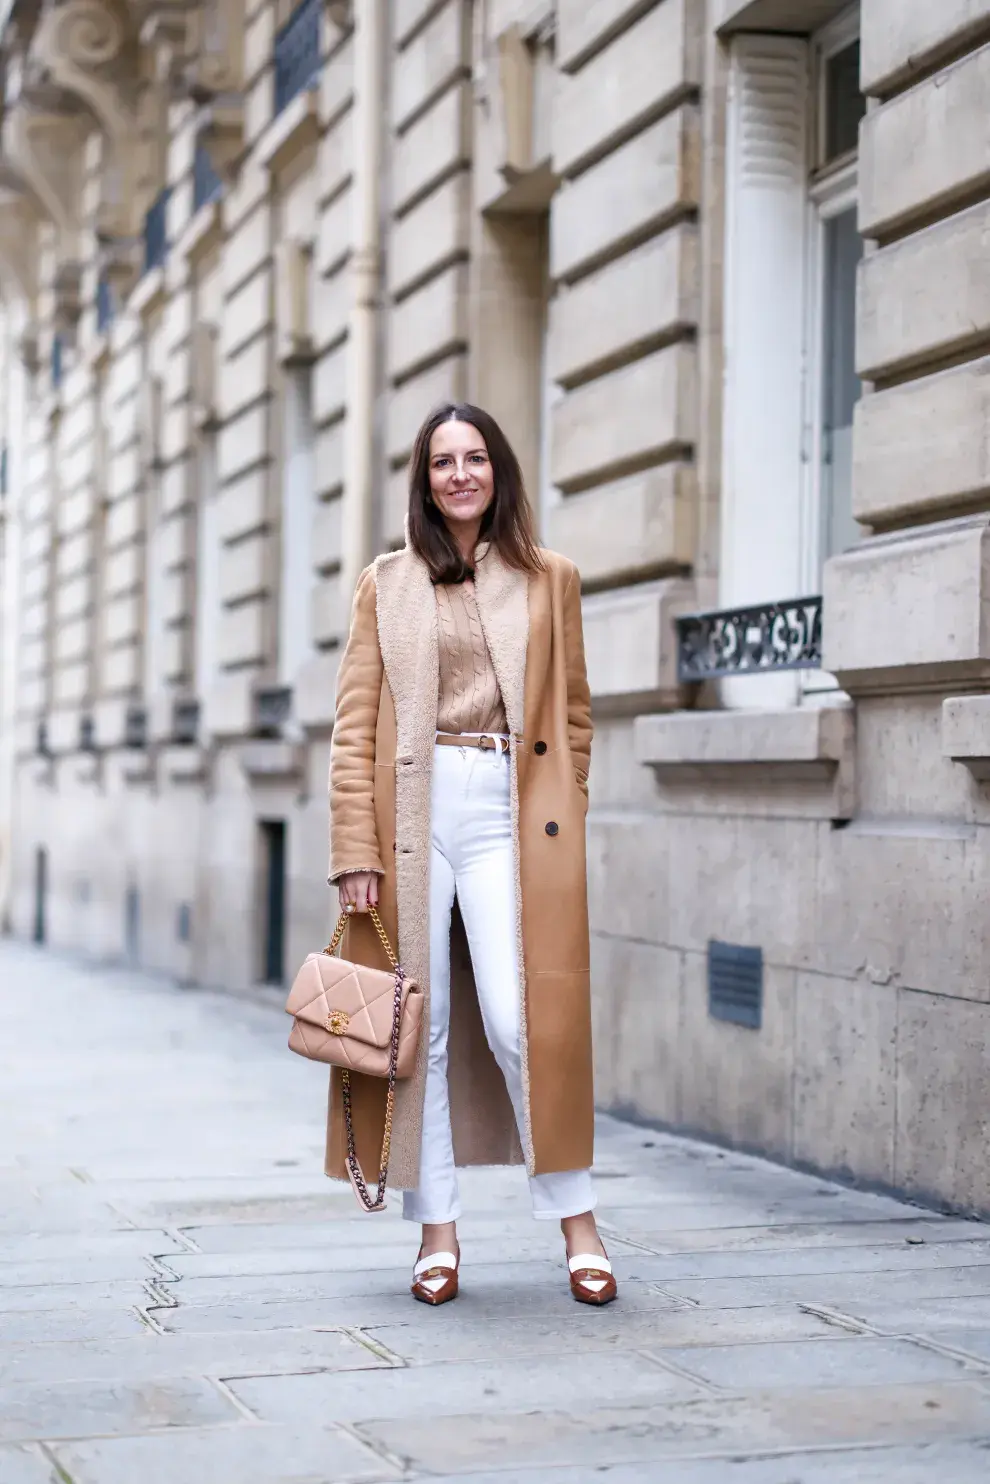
503, 607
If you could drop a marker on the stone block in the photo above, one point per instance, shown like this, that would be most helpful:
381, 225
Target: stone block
330, 386
437, 145
646, 71
243, 633
630, 195
899, 40
431, 235
911, 606
247, 312
746, 880
331, 309
248, 249
244, 569
123, 571
78, 1409
337, 81
336, 160
242, 507
636, 1003
122, 619
438, 57
922, 447
409, 404
942, 1074
810, 746
328, 612
395, 505
259, 35
228, 707
243, 443
409, 14
736, 1083
966, 733
327, 532
845, 1065
245, 379
585, 26
315, 691
637, 526
124, 520
645, 298
329, 463
429, 325
335, 234
645, 413
631, 648
925, 297
924, 151
901, 903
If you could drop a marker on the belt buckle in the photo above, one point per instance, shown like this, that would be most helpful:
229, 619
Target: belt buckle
487, 744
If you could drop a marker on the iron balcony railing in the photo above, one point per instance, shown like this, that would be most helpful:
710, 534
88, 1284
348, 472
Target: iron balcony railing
87, 734
297, 52
41, 740
156, 232
185, 722
57, 362
750, 641
207, 185
272, 708
104, 306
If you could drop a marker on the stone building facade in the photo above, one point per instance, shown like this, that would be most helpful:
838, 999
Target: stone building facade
719, 267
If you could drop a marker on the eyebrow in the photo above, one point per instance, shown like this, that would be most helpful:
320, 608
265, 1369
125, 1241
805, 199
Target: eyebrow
445, 454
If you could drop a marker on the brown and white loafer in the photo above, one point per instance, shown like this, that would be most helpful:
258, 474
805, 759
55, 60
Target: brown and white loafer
592, 1281
435, 1278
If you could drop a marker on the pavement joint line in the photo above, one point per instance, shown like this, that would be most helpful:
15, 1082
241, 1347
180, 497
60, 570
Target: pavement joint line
164, 1299
161, 1269
675, 1298
178, 1234
980, 1365
375, 1346
837, 1318
62, 1475
378, 1450
148, 1320
235, 1401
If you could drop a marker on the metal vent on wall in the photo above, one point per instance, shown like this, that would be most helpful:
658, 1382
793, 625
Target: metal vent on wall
735, 984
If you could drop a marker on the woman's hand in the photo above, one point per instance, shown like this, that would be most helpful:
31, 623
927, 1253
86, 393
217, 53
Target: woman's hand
359, 890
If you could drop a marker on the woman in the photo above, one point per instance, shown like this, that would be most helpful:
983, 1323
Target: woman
459, 770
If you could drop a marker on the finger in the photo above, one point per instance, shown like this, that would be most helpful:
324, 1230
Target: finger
373, 892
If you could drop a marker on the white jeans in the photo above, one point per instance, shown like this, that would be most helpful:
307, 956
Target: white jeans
472, 857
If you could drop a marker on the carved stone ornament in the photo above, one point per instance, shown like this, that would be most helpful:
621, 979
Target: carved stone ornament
43, 140
18, 240
217, 47
91, 50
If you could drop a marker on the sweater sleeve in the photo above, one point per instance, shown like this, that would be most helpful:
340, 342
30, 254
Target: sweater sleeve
579, 727
353, 835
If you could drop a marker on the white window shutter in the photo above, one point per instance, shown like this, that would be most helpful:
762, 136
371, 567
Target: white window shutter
767, 161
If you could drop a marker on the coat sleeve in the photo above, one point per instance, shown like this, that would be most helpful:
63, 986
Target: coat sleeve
353, 835
579, 728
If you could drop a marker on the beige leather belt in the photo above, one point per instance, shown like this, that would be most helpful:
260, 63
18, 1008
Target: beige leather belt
488, 743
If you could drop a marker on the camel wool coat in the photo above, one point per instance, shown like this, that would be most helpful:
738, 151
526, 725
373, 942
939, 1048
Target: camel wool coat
380, 782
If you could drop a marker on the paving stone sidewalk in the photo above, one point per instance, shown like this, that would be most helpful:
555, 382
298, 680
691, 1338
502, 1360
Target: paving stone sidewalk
185, 1300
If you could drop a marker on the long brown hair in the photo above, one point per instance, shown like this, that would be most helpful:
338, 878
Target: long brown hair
508, 521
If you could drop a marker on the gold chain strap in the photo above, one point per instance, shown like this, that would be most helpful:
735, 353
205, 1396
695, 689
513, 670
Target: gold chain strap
353, 1163
345, 918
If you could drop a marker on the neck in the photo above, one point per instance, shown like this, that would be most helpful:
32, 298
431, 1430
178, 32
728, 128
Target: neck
466, 540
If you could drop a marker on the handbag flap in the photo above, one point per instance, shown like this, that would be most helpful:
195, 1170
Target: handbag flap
345, 999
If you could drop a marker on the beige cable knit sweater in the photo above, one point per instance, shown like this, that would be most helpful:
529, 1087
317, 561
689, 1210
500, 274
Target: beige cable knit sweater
469, 698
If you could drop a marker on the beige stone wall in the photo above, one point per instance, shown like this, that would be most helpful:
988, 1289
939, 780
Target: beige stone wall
551, 242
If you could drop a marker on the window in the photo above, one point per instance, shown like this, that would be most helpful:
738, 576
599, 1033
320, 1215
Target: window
834, 250
790, 388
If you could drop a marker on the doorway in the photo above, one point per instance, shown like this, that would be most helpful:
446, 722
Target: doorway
273, 858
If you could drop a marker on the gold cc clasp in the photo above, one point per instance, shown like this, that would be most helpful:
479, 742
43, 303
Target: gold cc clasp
337, 1022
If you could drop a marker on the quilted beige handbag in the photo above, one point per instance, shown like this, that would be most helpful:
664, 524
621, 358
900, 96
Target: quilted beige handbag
360, 1020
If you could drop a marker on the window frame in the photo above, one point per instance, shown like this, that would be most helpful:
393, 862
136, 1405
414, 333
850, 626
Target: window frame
833, 189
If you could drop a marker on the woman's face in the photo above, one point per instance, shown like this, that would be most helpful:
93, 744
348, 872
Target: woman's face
462, 481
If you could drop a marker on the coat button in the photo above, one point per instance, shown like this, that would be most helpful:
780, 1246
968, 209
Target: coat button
553, 828
539, 748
